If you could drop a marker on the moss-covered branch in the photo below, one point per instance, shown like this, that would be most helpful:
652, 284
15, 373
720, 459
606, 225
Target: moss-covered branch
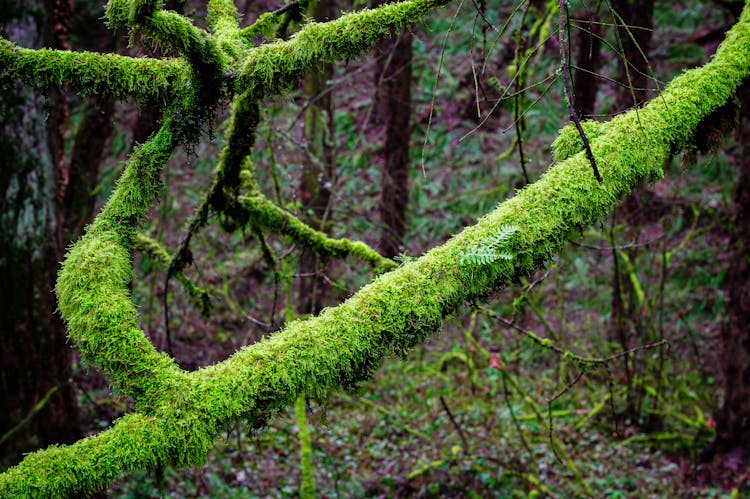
398, 310
179, 414
178, 33
92, 287
272, 68
90, 73
223, 21
266, 215
253, 207
164, 28
222, 195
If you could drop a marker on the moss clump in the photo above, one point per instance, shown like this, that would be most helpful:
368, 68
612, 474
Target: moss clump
148, 80
267, 215
569, 142
270, 69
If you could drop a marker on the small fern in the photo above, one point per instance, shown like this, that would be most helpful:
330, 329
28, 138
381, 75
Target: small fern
492, 251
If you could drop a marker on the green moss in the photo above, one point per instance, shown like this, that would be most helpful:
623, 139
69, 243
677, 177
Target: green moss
272, 68
222, 12
93, 285
267, 215
222, 196
265, 25
174, 32
569, 142
90, 73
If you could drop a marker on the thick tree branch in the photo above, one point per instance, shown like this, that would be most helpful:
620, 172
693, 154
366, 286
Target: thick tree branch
180, 414
272, 68
90, 73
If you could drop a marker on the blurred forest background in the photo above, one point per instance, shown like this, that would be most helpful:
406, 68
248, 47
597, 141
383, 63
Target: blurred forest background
401, 150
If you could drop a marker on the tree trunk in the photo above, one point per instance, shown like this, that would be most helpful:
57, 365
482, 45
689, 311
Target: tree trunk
634, 20
733, 418
38, 400
393, 112
315, 184
635, 24
588, 61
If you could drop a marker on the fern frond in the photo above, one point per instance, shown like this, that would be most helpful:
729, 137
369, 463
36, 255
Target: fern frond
505, 232
490, 252
478, 256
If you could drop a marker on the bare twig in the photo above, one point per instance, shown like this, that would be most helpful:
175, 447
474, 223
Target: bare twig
518, 120
456, 425
564, 68
567, 354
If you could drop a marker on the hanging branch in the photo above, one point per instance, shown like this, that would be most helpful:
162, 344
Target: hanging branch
518, 94
569, 97
152, 248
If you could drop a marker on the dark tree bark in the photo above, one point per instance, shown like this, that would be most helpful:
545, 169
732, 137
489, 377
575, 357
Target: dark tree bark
38, 400
393, 77
733, 418
315, 184
588, 60
47, 201
634, 21
86, 158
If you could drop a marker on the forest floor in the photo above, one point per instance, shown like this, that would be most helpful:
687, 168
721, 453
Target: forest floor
480, 410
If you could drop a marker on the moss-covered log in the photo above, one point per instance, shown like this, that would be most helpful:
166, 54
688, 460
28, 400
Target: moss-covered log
179, 414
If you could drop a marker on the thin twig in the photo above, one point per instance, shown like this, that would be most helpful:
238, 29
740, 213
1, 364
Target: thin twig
516, 422
518, 120
167, 332
564, 55
455, 425
618, 247
266, 327
550, 426
567, 354
285, 8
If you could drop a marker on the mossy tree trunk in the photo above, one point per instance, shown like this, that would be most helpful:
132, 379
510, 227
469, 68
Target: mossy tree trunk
39, 403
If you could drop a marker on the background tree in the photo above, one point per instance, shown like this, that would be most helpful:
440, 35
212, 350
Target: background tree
393, 111
39, 403
732, 417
